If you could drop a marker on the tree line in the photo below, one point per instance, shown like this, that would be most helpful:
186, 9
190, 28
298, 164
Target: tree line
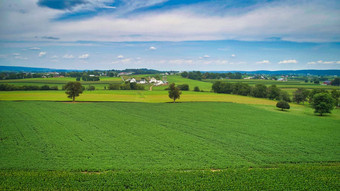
126, 86
260, 91
197, 75
10, 87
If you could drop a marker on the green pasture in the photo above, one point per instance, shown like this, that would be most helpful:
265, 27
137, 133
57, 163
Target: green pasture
197, 145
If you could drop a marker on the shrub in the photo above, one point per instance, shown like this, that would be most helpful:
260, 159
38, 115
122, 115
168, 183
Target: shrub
184, 87
114, 86
196, 89
283, 105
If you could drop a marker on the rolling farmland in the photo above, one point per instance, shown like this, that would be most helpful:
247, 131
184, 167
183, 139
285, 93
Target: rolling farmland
165, 138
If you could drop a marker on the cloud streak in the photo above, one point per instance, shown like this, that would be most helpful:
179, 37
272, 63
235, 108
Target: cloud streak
288, 62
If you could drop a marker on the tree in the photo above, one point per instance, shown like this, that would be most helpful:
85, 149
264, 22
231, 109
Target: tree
315, 91
273, 92
323, 103
336, 95
259, 90
73, 89
174, 92
184, 87
196, 89
283, 105
335, 82
284, 96
300, 95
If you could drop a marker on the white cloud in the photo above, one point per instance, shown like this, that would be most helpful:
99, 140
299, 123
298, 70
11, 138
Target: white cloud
16, 54
206, 56
20, 58
263, 62
152, 48
311, 63
233, 55
55, 56
42, 54
68, 56
120, 56
84, 56
34, 48
324, 62
288, 62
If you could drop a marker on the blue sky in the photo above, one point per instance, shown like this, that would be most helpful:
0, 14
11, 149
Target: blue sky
171, 34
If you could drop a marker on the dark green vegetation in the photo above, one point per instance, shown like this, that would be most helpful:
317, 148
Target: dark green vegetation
174, 92
323, 103
283, 105
73, 89
10, 87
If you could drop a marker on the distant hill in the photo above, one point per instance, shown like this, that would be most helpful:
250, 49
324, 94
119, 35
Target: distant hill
151, 71
288, 72
31, 69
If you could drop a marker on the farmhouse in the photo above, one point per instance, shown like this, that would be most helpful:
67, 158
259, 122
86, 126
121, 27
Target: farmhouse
326, 83
153, 80
143, 81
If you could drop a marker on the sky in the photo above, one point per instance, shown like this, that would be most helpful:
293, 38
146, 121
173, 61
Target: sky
181, 35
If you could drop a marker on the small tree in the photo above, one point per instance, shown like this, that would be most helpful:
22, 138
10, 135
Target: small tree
174, 92
283, 105
73, 89
196, 89
323, 103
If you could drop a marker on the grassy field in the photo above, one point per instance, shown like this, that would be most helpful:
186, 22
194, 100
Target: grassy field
167, 146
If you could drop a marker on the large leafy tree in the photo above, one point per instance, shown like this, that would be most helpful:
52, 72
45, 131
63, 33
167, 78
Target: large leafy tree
260, 90
73, 89
273, 92
300, 95
323, 103
174, 92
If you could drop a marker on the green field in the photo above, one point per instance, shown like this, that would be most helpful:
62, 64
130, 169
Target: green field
129, 139
185, 142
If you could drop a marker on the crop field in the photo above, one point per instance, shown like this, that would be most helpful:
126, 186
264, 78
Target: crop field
196, 145
134, 139
131, 96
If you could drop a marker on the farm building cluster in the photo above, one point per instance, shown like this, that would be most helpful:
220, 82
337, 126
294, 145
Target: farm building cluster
151, 80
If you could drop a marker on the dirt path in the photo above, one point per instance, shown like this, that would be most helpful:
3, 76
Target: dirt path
150, 88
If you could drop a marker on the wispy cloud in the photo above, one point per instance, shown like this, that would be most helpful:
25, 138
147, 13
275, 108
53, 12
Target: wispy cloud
42, 54
35, 48
323, 62
288, 62
120, 56
68, 56
152, 48
83, 56
263, 62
